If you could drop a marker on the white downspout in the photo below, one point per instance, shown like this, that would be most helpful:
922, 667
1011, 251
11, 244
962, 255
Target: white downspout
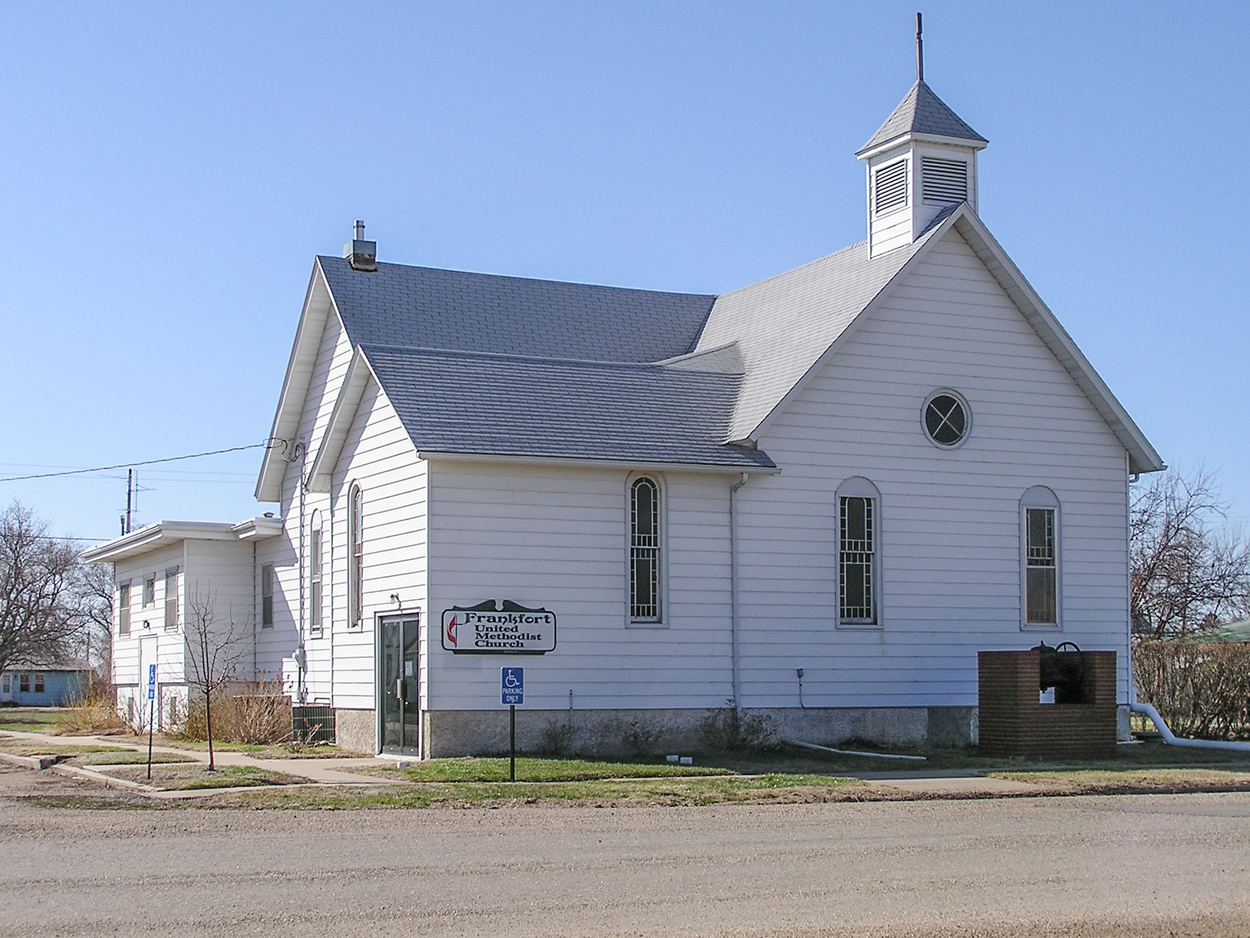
734, 652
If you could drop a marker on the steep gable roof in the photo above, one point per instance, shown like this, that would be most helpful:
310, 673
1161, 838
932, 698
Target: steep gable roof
921, 112
481, 365
761, 401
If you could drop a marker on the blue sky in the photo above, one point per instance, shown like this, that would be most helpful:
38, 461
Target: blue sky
171, 170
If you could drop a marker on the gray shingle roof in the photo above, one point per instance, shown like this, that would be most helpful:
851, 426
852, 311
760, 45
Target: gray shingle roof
422, 307
784, 324
922, 112
507, 405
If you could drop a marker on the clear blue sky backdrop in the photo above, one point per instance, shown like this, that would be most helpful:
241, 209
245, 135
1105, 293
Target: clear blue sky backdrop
171, 169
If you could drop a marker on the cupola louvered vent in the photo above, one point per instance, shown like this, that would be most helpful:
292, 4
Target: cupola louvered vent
890, 187
944, 181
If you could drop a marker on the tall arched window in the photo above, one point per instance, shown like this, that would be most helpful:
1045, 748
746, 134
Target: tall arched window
859, 545
644, 551
314, 575
1039, 557
356, 558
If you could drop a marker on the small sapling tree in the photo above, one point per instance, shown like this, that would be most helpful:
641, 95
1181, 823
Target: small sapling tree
215, 651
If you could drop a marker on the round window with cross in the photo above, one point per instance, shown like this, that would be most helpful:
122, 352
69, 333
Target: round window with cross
947, 419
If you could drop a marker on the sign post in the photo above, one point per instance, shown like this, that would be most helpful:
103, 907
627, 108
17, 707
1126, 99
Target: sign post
151, 713
511, 693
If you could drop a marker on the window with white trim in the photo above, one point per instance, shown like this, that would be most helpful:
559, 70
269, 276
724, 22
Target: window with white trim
1039, 561
859, 529
266, 596
314, 575
149, 590
356, 558
645, 559
171, 598
123, 609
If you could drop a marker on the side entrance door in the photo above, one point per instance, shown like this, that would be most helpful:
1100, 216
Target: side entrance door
399, 691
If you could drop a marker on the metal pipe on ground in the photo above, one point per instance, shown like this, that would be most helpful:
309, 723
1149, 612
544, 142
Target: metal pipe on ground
1173, 740
854, 752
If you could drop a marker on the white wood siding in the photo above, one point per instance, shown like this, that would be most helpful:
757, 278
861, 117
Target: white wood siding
950, 546
555, 537
379, 456
221, 573
170, 646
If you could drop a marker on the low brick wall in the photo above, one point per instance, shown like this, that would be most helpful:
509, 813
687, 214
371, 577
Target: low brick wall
1013, 722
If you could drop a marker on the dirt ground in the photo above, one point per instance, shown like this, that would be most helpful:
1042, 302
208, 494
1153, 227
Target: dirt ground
80, 860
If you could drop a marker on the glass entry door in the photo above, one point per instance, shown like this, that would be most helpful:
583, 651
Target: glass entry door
400, 693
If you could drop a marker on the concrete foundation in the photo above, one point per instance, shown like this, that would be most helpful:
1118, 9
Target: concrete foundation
685, 732
356, 730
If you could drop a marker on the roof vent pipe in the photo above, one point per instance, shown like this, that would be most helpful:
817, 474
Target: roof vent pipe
361, 254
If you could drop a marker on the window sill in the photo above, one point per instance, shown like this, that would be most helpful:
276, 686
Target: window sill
1040, 627
860, 626
646, 625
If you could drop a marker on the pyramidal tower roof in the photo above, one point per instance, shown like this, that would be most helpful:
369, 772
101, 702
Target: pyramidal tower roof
922, 112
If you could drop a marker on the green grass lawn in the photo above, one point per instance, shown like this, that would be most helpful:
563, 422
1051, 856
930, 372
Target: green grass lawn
30, 719
536, 769
193, 776
22, 747
673, 792
129, 757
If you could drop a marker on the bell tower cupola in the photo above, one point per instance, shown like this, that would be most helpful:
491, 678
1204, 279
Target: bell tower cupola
921, 163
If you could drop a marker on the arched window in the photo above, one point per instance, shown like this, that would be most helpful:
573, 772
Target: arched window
645, 551
859, 561
355, 558
1039, 557
314, 574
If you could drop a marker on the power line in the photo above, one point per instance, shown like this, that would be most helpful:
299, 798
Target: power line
149, 462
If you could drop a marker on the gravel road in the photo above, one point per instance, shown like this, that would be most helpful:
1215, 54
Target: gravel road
1136, 866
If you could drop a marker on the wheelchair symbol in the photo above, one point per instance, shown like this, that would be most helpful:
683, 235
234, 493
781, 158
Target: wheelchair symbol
512, 678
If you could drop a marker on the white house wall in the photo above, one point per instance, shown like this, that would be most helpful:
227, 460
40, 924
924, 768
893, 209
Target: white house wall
277, 644
126, 648
219, 582
555, 537
950, 570
378, 456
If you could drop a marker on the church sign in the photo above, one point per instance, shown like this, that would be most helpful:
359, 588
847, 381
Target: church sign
503, 629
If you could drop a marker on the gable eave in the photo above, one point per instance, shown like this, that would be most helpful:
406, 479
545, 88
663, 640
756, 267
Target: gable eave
1142, 455
318, 306
334, 437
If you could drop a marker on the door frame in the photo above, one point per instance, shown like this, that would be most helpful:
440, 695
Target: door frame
380, 622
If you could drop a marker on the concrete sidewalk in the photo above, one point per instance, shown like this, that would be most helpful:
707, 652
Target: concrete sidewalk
321, 771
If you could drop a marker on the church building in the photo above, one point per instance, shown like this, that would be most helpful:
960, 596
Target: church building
807, 502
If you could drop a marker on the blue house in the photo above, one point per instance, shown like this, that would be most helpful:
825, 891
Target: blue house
36, 685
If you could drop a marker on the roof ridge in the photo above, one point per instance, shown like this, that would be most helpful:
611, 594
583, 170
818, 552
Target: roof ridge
512, 356
515, 277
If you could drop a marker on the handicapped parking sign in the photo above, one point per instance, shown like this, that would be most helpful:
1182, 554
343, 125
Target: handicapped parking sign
151, 682
512, 686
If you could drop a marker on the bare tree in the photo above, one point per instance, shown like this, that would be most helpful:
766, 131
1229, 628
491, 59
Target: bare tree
91, 604
1189, 570
215, 650
37, 574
